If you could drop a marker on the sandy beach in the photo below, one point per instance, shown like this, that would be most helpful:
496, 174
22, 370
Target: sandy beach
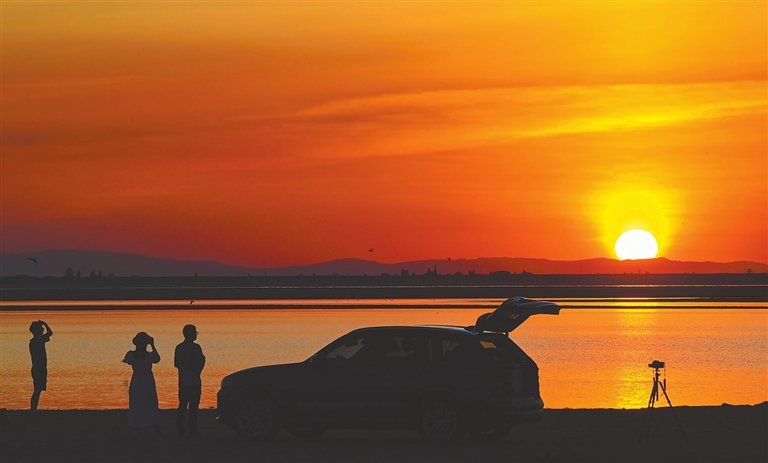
712, 434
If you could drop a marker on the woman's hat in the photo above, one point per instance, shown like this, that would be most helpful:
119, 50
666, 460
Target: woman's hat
141, 338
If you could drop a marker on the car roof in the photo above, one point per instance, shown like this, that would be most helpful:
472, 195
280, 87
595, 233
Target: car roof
443, 329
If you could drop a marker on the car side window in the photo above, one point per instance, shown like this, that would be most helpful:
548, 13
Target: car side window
410, 351
377, 348
400, 351
450, 351
368, 348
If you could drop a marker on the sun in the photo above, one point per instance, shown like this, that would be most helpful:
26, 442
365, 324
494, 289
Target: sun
636, 244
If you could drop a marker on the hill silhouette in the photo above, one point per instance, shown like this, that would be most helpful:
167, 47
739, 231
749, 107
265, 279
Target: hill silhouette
88, 263
56, 263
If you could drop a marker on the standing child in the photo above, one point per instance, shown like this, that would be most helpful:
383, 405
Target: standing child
41, 333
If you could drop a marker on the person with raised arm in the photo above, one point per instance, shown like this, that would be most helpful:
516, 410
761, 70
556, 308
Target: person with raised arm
41, 333
142, 393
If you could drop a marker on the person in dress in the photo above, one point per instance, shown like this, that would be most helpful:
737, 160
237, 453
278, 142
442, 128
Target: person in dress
189, 360
142, 393
41, 333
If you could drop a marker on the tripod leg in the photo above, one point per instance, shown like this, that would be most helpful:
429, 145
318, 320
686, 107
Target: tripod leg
664, 390
651, 399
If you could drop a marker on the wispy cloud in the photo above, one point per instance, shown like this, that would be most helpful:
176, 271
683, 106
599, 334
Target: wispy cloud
455, 119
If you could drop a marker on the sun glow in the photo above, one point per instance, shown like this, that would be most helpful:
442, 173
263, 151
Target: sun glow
636, 244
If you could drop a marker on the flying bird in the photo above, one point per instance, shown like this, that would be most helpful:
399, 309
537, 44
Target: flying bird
33, 260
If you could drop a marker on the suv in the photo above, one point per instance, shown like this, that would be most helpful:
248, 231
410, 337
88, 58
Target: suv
444, 381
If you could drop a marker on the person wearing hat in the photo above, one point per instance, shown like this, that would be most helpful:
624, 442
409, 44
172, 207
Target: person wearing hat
142, 393
189, 360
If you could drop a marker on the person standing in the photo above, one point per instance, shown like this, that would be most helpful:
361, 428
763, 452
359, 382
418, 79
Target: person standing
41, 333
142, 393
189, 360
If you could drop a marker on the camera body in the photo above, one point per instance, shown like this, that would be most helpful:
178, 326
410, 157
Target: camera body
656, 364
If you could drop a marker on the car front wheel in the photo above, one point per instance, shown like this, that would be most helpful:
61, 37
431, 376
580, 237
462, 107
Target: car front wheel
257, 416
441, 419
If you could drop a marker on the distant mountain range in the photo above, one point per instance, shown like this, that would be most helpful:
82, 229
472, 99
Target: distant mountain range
57, 263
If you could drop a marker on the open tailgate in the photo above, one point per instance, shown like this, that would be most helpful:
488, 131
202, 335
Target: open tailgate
512, 313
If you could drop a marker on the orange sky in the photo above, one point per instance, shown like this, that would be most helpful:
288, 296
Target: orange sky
286, 133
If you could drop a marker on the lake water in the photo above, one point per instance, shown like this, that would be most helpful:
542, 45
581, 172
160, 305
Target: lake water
593, 355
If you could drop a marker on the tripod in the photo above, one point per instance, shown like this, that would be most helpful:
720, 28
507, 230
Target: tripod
655, 398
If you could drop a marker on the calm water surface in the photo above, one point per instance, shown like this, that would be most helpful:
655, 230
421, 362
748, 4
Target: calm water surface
588, 357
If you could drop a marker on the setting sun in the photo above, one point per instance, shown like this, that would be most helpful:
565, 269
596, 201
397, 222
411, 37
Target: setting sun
636, 244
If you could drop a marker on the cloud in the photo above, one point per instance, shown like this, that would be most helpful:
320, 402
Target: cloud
407, 123
456, 119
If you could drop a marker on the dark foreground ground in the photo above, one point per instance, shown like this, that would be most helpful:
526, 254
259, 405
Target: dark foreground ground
712, 434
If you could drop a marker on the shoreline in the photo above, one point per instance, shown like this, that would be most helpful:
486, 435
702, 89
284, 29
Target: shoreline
757, 293
748, 287
713, 434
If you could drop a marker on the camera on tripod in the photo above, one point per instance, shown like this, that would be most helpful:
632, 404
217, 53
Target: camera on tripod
656, 364
659, 385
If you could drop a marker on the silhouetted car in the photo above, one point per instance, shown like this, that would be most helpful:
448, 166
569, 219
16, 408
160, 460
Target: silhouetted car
444, 381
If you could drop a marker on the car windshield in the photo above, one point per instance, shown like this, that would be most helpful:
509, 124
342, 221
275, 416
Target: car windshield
346, 350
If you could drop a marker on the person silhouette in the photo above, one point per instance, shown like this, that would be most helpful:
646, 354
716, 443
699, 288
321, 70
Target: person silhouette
189, 360
41, 333
142, 393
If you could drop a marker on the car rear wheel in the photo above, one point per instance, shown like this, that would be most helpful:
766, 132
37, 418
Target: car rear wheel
257, 416
441, 419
